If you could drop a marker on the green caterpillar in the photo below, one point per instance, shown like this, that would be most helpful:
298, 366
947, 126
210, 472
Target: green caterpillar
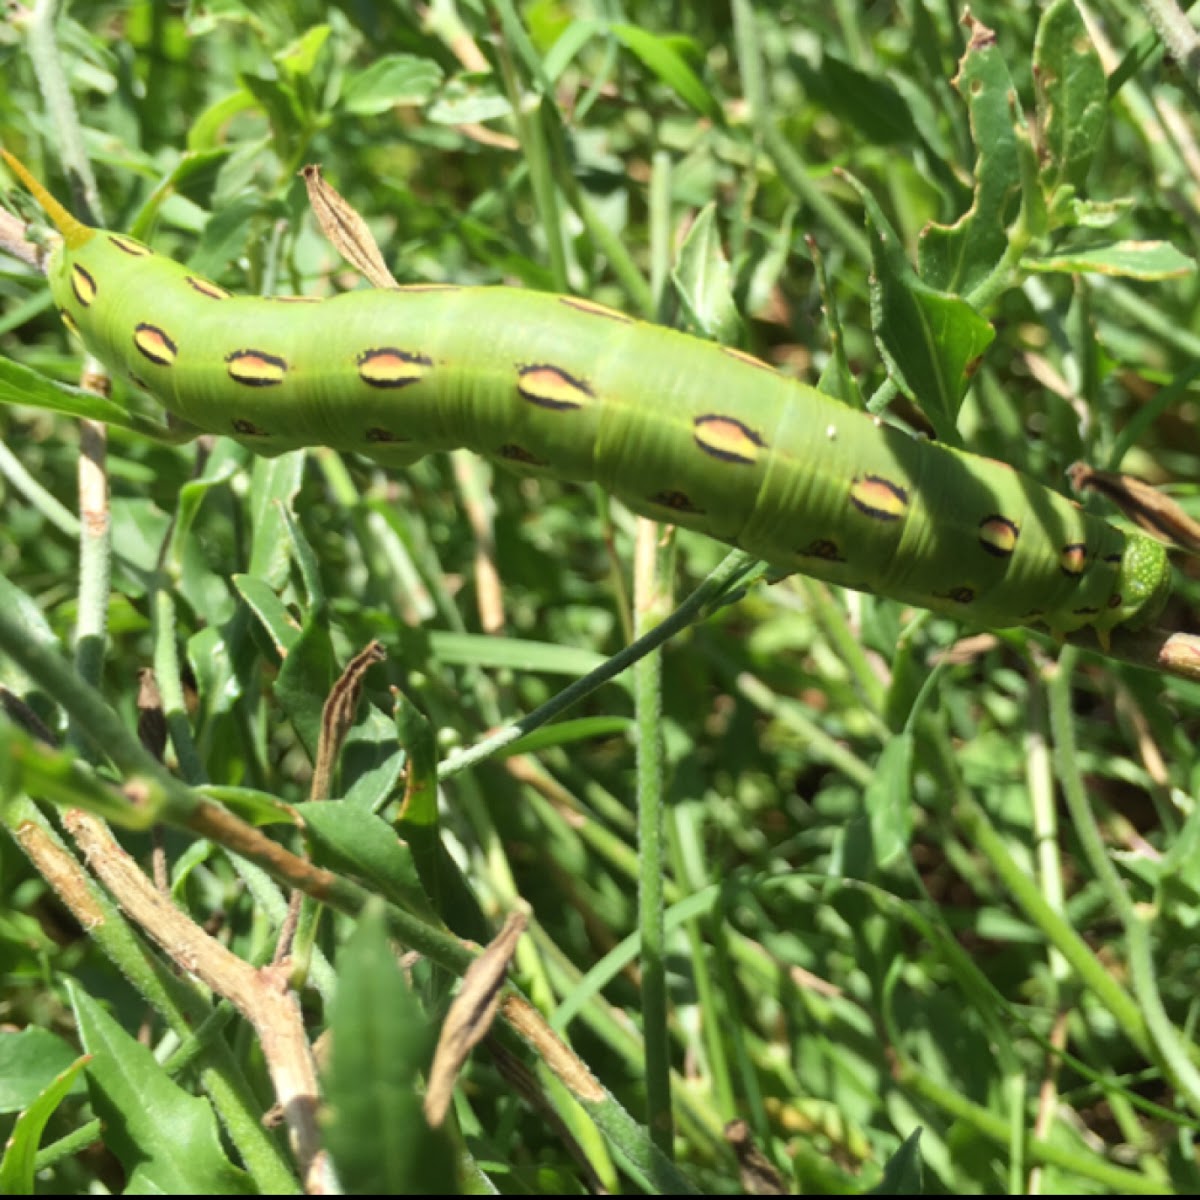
682, 430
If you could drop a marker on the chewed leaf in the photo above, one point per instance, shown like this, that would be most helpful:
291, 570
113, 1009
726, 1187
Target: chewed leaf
959, 256
1127, 260
1072, 95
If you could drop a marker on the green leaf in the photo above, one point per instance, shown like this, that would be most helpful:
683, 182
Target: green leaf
931, 340
30, 1060
299, 58
958, 257
888, 800
22, 385
17, 1176
660, 56
306, 677
372, 761
348, 838
703, 280
166, 1139
281, 104
1129, 260
1072, 96
274, 616
870, 102
566, 733
440, 875
469, 99
416, 734
837, 378
275, 481
259, 808
389, 81
516, 654
194, 172
376, 1130
903, 1174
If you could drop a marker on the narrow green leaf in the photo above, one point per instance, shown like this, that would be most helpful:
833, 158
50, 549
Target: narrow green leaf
376, 1130
22, 385
17, 1164
515, 654
273, 481
271, 612
566, 733
661, 57
166, 1139
888, 800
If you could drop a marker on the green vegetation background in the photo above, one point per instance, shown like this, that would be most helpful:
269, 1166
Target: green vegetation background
959, 899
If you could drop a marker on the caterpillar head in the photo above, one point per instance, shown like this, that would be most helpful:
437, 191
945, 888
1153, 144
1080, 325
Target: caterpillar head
1143, 584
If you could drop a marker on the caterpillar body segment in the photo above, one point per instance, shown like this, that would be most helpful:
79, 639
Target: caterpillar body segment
678, 428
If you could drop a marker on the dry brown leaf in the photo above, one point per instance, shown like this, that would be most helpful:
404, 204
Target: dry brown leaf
1144, 505
345, 229
470, 1016
758, 1176
338, 715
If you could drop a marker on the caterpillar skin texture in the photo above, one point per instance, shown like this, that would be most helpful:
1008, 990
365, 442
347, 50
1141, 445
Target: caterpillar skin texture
680, 429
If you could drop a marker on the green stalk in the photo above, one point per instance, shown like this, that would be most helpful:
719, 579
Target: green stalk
652, 575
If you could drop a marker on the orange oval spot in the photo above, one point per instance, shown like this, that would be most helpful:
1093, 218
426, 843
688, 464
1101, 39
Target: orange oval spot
155, 344
255, 368
1072, 558
136, 249
727, 438
594, 310
248, 428
553, 388
387, 367
748, 359
960, 595
83, 285
69, 321
206, 288
879, 498
998, 535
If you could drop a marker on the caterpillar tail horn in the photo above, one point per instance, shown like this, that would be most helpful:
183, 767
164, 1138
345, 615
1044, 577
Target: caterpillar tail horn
74, 233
